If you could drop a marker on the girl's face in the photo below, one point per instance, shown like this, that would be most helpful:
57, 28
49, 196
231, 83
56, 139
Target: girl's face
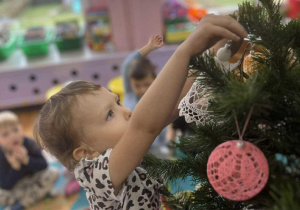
102, 119
139, 87
11, 136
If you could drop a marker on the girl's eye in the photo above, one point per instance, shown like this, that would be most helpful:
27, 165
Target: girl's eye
109, 115
118, 102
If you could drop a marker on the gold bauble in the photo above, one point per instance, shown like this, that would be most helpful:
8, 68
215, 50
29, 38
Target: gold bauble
250, 65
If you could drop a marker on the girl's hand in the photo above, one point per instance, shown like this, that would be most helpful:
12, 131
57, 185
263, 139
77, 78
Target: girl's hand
22, 155
211, 29
13, 161
156, 42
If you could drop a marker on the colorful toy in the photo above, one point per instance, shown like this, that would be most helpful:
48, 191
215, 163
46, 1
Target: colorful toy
177, 26
7, 48
69, 35
67, 30
7, 41
196, 13
35, 34
174, 11
98, 30
35, 41
4, 36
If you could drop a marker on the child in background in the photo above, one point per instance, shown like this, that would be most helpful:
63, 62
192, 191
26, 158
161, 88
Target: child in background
138, 74
88, 130
24, 176
179, 128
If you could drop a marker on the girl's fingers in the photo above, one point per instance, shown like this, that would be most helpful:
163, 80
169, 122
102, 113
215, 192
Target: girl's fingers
225, 33
225, 21
8, 156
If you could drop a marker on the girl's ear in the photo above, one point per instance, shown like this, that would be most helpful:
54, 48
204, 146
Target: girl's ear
80, 152
84, 151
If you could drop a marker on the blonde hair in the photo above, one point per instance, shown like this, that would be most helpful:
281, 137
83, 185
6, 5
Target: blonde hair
7, 117
54, 128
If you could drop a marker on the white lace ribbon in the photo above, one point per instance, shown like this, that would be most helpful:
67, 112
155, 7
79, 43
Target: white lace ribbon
194, 105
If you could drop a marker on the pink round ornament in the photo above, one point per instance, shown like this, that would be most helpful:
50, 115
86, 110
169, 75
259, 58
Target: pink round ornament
237, 170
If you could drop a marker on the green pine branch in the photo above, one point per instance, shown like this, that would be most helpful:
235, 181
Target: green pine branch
273, 90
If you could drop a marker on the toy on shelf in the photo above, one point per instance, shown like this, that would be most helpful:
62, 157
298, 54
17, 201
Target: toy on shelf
195, 14
196, 10
98, 29
35, 41
35, 34
174, 12
7, 42
177, 26
4, 36
69, 35
67, 30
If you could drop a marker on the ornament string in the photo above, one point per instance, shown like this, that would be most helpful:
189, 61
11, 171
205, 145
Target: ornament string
246, 123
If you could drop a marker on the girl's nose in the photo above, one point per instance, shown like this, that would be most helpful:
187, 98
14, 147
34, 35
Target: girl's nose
127, 113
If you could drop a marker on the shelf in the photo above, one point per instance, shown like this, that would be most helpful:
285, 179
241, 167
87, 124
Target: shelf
24, 82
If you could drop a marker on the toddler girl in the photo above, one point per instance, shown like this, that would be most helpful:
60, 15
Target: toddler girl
85, 127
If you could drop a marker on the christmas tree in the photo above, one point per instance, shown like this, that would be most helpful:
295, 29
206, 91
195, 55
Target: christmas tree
271, 92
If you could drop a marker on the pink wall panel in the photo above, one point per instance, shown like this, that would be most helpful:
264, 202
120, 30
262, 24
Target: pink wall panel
121, 25
134, 21
146, 19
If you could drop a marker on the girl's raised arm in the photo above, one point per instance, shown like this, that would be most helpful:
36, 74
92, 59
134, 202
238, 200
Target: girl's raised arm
154, 109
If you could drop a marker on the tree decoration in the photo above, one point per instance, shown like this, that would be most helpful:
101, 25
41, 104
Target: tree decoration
250, 65
238, 170
224, 53
248, 62
194, 105
223, 56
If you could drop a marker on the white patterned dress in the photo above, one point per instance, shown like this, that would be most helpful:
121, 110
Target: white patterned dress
138, 192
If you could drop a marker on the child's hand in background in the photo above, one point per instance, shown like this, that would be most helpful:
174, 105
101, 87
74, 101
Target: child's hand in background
22, 155
156, 42
13, 161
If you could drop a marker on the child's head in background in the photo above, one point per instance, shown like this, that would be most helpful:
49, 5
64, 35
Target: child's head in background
82, 120
141, 74
11, 133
